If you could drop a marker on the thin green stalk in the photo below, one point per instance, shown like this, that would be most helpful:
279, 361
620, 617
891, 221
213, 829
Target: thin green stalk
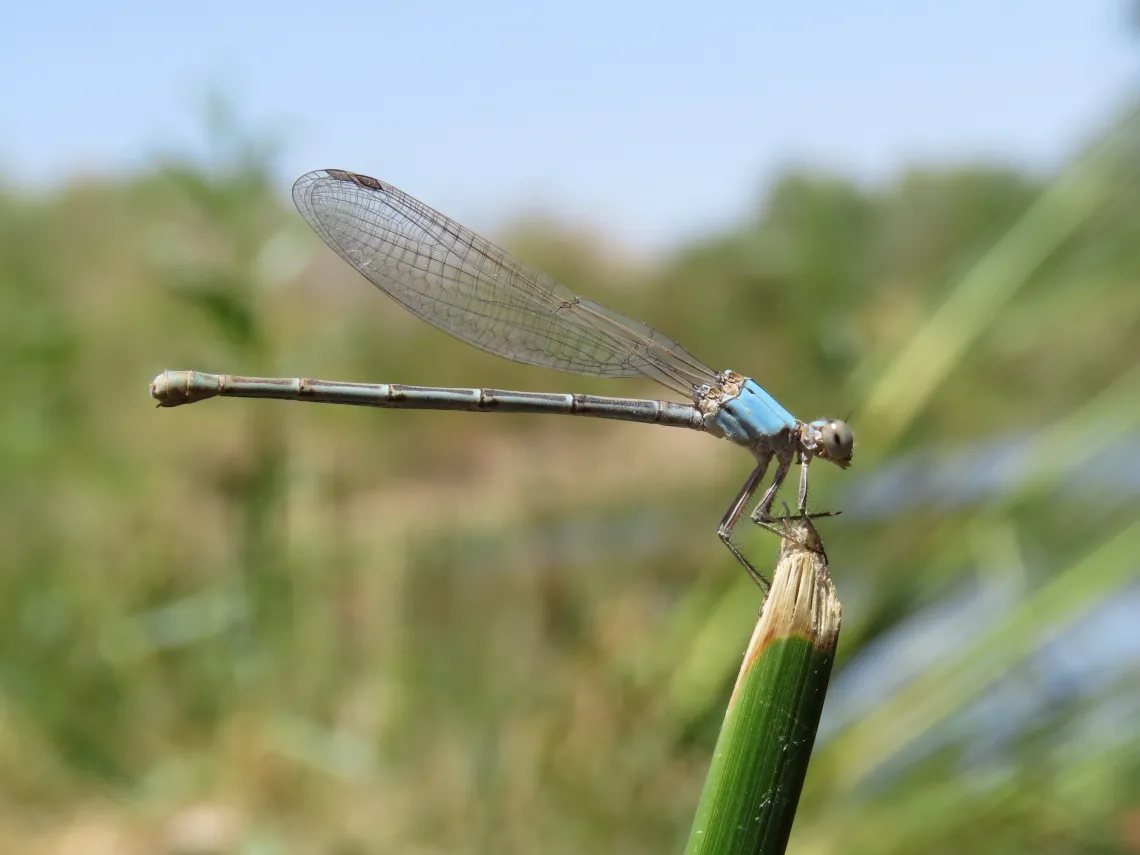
753, 786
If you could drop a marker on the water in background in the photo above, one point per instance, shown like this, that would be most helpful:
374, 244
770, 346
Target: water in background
256, 626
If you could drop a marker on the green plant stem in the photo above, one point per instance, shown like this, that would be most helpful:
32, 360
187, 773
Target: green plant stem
753, 786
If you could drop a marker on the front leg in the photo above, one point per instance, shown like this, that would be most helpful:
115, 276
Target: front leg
763, 517
802, 499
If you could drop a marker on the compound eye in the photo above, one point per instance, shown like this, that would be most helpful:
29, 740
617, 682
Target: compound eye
837, 440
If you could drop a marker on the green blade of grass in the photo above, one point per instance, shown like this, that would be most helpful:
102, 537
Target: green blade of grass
915, 709
753, 786
896, 396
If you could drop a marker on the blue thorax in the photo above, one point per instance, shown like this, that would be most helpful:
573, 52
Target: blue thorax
751, 416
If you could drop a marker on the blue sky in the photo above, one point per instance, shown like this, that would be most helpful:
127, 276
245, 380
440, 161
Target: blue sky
649, 123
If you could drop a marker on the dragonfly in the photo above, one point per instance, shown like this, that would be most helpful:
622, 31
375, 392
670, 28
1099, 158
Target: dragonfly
471, 289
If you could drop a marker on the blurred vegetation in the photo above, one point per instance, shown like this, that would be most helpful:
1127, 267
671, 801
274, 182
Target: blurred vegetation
263, 627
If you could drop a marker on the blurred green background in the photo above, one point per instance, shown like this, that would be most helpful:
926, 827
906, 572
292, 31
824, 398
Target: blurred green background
260, 627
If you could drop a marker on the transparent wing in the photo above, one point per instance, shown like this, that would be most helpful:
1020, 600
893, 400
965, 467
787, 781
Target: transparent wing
469, 288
